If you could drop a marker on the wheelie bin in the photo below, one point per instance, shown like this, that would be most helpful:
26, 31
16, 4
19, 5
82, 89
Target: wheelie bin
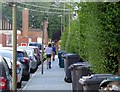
61, 60
77, 71
110, 84
91, 83
69, 59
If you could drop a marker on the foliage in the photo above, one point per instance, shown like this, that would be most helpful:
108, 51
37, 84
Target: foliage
64, 38
38, 11
94, 35
110, 20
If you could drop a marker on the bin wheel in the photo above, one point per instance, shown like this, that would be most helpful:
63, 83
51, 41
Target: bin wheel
68, 80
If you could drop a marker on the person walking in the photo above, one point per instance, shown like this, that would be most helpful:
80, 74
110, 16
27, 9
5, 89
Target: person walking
54, 52
48, 51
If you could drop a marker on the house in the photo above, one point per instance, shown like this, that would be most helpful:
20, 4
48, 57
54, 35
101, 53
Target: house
24, 35
6, 32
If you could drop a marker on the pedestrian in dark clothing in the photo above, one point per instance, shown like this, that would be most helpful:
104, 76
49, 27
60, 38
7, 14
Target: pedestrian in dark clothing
54, 52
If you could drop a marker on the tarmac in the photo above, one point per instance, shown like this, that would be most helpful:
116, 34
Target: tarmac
51, 79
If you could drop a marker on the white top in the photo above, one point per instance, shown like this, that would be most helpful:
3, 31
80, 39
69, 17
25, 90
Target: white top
48, 50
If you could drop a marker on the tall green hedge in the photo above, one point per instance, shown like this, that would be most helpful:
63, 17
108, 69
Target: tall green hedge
94, 35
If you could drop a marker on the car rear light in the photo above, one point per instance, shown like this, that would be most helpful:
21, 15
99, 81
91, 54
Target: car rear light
3, 83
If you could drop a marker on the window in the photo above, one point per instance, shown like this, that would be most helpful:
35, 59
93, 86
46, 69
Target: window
8, 39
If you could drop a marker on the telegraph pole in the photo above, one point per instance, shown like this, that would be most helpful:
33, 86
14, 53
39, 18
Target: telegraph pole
43, 46
14, 39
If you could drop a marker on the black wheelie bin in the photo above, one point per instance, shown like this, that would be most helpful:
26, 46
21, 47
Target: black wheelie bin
69, 59
78, 70
91, 83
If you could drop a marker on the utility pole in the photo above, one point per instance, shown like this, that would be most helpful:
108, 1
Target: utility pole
61, 25
64, 18
42, 47
60, 22
68, 37
14, 39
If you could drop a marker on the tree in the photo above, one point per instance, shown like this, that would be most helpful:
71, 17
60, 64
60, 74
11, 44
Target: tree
38, 11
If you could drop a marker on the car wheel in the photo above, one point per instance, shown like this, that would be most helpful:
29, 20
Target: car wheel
19, 84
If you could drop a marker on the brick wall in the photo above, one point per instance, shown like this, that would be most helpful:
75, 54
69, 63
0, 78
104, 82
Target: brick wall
3, 40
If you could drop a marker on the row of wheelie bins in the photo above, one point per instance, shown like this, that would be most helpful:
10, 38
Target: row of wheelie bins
78, 73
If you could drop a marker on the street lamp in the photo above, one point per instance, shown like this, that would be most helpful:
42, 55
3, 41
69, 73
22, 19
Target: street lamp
61, 22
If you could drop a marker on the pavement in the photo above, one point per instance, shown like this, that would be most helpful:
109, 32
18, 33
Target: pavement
51, 79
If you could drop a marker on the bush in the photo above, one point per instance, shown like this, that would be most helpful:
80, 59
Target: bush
94, 36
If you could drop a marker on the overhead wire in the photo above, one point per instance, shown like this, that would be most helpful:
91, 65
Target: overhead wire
37, 10
44, 7
41, 11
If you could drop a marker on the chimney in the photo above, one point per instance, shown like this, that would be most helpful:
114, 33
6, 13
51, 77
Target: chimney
25, 22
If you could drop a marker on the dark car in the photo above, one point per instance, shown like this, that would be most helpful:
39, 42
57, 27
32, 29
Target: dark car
24, 59
5, 76
39, 45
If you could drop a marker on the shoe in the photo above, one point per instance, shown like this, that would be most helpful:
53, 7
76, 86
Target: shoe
50, 65
53, 59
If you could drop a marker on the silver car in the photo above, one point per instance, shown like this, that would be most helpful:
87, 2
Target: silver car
33, 61
31, 55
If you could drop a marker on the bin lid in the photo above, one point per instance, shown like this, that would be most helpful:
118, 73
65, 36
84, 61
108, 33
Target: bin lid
79, 65
94, 78
70, 55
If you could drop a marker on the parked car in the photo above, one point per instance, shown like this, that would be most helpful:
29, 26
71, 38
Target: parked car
5, 76
33, 61
24, 59
8, 54
9, 63
37, 54
39, 45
